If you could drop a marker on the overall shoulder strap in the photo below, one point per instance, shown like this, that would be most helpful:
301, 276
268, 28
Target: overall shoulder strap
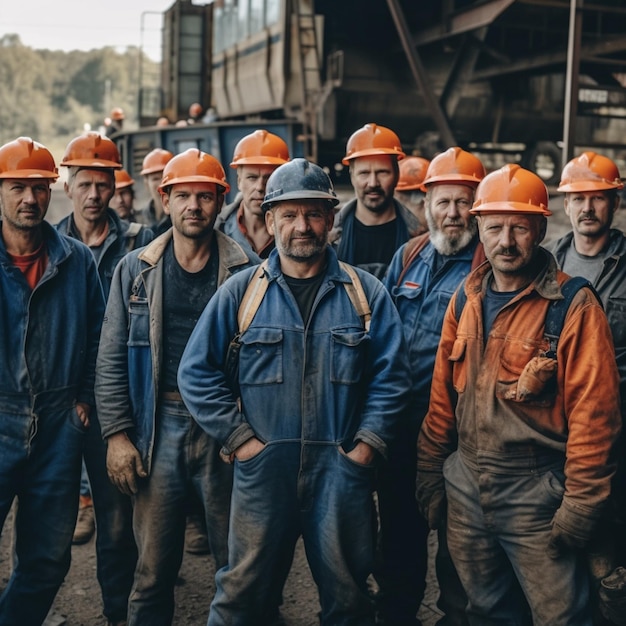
413, 247
557, 311
357, 296
252, 297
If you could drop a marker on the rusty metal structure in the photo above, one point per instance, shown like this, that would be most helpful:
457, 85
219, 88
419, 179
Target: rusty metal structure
513, 80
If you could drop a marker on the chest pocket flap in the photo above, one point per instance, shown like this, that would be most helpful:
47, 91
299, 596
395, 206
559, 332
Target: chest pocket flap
261, 356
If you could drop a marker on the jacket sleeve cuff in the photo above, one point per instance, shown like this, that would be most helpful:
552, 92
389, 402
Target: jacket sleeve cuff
576, 521
368, 437
240, 435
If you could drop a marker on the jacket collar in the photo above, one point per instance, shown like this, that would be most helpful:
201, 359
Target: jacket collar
231, 254
546, 283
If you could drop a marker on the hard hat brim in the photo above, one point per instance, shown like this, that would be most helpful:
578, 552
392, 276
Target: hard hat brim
509, 207
41, 174
589, 186
373, 152
194, 179
265, 160
92, 164
300, 195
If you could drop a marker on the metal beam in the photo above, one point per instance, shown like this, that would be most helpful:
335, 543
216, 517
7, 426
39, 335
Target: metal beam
571, 79
419, 74
556, 59
464, 21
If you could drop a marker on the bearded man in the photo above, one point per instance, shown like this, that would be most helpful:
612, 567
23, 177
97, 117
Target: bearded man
422, 277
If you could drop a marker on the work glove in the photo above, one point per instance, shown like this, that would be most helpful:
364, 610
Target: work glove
430, 491
124, 465
571, 530
613, 596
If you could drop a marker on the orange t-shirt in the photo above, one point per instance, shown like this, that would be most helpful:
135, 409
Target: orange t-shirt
32, 265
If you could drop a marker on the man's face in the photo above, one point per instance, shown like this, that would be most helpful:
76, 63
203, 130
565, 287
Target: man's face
450, 223
90, 192
300, 228
252, 180
24, 202
152, 181
374, 179
510, 241
193, 208
122, 202
591, 212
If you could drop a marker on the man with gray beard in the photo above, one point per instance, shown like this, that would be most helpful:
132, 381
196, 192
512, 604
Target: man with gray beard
422, 277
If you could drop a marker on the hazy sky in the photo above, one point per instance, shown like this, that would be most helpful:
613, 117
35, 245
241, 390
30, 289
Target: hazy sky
86, 24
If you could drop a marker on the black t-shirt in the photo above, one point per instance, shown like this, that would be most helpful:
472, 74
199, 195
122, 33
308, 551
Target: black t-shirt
185, 295
304, 291
374, 244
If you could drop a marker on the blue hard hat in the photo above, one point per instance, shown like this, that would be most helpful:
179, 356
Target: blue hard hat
299, 179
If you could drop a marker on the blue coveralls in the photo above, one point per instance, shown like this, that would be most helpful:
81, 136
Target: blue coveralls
309, 391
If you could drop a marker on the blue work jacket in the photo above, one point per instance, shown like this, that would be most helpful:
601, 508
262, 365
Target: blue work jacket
422, 298
129, 364
326, 381
49, 335
117, 244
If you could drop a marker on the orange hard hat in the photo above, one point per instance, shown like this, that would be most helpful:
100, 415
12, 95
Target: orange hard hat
371, 140
194, 166
195, 109
260, 148
123, 179
92, 150
155, 161
117, 113
590, 172
25, 158
412, 173
455, 166
511, 189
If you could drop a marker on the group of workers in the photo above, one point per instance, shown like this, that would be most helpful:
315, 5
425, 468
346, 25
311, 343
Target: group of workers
357, 377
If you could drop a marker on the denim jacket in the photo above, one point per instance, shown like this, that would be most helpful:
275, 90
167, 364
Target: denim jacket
115, 246
49, 336
326, 382
130, 357
421, 300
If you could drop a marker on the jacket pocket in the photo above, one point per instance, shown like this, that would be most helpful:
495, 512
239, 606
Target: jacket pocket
459, 367
138, 322
261, 356
524, 376
347, 356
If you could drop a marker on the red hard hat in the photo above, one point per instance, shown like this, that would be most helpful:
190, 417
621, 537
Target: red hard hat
511, 189
194, 166
371, 140
92, 150
25, 158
